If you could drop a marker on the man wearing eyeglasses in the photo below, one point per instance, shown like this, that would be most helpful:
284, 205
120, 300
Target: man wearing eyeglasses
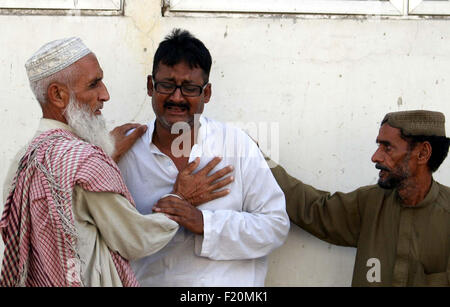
223, 242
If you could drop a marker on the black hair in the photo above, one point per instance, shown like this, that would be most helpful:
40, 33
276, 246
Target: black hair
181, 46
439, 148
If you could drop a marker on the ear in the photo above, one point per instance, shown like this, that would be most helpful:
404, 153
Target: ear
150, 85
424, 153
58, 95
207, 93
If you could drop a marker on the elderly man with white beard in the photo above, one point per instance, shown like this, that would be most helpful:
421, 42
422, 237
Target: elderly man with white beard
69, 219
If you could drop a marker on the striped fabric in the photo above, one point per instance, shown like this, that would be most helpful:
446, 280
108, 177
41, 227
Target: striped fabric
37, 225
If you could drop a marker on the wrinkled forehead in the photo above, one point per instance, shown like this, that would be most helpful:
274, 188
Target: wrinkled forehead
390, 134
88, 67
179, 71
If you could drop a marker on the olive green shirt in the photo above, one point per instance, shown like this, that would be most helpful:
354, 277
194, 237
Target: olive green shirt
396, 245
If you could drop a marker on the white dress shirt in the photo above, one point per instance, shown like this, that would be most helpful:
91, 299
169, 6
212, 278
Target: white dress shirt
240, 229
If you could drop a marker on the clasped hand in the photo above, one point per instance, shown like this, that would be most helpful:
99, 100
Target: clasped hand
194, 189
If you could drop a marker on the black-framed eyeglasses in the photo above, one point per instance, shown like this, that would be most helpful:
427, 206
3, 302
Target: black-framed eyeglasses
188, 90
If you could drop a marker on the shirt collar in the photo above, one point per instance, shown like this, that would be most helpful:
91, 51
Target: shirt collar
46, 124
197, 149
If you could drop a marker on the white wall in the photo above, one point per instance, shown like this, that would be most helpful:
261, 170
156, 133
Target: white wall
328, 83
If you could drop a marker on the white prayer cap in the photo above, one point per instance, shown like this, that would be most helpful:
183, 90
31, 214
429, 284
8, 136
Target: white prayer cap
55, 56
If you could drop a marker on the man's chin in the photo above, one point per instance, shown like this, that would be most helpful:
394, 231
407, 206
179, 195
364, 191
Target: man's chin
384, 185
169, 122
388, 184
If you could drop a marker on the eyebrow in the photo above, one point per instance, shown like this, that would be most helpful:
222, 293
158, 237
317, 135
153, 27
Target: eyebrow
99, 76
96, 79
174, 81
386, 143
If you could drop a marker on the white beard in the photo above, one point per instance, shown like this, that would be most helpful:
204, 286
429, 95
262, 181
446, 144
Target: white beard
88, 126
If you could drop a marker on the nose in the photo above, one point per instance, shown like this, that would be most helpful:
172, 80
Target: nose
177, 96
104, 94
377, 157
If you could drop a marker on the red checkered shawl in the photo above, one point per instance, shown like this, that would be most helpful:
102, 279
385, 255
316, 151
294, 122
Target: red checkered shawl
37, 225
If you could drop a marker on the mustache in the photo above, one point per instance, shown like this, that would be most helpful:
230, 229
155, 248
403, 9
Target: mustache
169, 104
382, 167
